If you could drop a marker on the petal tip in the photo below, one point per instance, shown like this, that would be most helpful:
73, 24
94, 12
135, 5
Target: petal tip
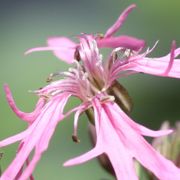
6, 87
67, 164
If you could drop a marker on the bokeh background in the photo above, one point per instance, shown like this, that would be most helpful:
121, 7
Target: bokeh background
27, 23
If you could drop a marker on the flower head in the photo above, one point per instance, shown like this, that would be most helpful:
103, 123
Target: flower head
93, 80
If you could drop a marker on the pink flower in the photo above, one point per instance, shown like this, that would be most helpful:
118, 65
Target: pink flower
90, 80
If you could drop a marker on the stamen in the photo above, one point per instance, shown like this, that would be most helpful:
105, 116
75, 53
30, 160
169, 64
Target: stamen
99, 62
76, 119
96, 90
94, 47
56, 92
68, 74
52, 75
75, 139
121, 53
85, 76
107, 98
77, 63
49, 78
33, 91
104, 89
99, 35
46, 96
127, 53
74, 71
150, 50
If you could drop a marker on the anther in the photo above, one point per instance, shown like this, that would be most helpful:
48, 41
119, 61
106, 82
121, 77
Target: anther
75, 139
50, 78
46, 97
100, 35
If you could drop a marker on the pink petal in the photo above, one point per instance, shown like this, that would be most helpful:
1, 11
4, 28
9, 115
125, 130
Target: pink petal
108, 142
113, 146
156, 66
165, 66
49, 115
83, 158
27, 173
67, 48
43, 142
121, 41
62, 47
139, 128
29, 117
15, 138
27, 163
28, 146
117, 25
141, 150
172, 55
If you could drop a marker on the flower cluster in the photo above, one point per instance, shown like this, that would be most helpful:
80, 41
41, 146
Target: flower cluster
94, 82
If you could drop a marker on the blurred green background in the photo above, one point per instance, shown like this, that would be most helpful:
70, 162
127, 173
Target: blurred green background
27, 23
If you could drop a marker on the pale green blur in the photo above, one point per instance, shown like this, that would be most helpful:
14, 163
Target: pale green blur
25, 24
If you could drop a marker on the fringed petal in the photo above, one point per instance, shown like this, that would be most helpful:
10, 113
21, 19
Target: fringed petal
29, 117
139, 128
120, 21
43, 142
83, 158
166, 66
109, 142
15, 138
38, 138
30, 168
119, 156
67, 48
142, 150
121, 41
62, 47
